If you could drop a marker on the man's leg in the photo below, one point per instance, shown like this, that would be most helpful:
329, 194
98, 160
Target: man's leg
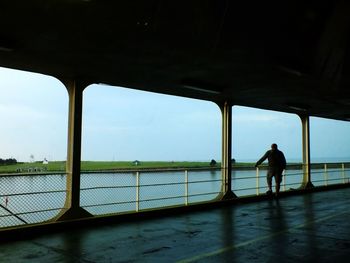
269, 182
278, 180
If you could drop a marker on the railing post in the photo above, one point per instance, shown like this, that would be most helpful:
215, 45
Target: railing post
325, 175
137, 191
343, 172
257, 181
186, 187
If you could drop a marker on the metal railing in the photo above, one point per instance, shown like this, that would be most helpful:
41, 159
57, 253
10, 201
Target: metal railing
30, 198
35, 198
151, 190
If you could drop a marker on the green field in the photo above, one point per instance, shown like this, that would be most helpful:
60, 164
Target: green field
60, 166
95, 166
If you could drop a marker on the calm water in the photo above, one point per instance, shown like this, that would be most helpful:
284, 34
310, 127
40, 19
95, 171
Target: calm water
40, 197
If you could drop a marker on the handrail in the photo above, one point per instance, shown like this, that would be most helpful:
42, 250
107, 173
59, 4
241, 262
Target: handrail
34, 193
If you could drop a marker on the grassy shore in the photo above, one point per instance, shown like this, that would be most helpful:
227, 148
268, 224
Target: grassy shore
60, 166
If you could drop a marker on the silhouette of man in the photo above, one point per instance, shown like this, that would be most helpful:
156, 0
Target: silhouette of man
277, 163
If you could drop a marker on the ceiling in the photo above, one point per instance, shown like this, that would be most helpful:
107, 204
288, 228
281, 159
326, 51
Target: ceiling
285, 55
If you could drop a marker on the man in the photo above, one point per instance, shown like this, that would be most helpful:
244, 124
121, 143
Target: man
277, 163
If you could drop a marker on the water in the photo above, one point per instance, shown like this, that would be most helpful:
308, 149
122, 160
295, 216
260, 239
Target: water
41, 197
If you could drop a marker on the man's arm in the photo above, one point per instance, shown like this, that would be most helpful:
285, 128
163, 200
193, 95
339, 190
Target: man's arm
262, 158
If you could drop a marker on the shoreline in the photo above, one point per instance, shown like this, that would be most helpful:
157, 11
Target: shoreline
59, 167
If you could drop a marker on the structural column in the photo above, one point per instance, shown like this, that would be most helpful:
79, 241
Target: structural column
72, 204
305, 120
226, 165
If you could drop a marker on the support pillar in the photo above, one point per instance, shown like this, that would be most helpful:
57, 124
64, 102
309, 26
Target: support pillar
226, 165
72, 204
305, 121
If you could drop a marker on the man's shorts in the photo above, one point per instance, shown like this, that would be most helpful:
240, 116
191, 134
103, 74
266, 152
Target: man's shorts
274, 172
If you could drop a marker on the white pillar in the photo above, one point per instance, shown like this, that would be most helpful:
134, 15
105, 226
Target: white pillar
226, 165
72, 204
305, 121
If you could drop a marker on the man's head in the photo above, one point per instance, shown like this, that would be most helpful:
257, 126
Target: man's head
274, 146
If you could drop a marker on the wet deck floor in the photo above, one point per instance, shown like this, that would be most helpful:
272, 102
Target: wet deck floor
304, 228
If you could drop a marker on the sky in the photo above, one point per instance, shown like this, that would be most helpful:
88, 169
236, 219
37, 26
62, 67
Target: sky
122, 124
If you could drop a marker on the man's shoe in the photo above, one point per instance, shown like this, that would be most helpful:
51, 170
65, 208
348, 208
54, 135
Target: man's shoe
269, 192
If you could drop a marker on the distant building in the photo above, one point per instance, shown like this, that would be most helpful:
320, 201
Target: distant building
136, 163
45, 161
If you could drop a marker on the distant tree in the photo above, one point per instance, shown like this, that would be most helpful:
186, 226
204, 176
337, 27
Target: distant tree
11, 161
212, 162
8, 161
31, 158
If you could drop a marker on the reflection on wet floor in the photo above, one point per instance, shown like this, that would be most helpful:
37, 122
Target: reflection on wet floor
305, 228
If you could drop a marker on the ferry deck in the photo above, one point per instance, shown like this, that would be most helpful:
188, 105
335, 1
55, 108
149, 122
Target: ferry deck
312, 227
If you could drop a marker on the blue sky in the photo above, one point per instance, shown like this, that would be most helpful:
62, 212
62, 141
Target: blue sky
125, 124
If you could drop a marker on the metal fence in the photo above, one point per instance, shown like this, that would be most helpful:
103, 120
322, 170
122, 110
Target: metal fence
35, 198
134, 192
30, 198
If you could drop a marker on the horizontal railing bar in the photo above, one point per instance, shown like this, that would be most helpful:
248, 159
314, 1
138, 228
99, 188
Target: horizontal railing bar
31, 212
107, 187
254, 177
318, 181
208, 193
293, 174
147, 185
40, 211
176, 197
181, 183
13, 214
113, 203
149, 200
330, 180
329, 171
31, 174
134, 201
126, 186
163, 198
244, 178
34, 193
332, 171
205, 181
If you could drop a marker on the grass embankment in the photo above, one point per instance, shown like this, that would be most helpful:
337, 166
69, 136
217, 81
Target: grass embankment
95, 166
91, 166
60, 166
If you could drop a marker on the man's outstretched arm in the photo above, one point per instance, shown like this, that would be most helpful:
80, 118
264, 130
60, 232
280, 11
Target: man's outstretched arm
262, 159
